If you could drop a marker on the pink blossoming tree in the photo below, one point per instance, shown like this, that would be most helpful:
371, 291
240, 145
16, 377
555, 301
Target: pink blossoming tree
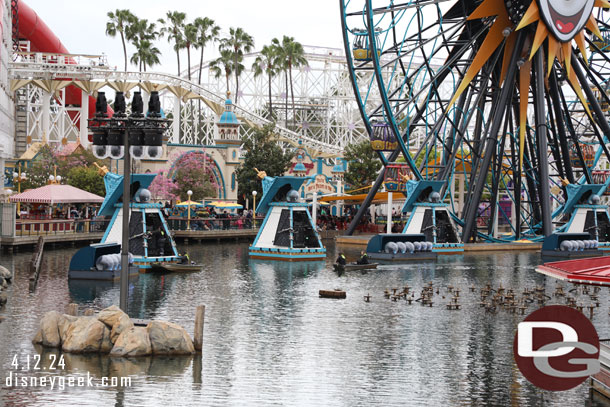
193, 171
163, 188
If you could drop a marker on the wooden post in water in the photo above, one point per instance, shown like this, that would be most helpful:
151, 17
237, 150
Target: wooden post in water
199, 319
73, 309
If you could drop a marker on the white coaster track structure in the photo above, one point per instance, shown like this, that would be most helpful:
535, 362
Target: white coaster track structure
325, 117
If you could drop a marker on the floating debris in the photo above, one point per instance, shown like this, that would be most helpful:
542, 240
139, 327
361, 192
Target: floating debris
336, 293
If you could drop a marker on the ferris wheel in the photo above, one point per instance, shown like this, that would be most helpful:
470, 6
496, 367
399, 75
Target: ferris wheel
503, 103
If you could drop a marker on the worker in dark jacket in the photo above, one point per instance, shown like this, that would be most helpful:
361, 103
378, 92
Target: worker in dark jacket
341, 259
364, 258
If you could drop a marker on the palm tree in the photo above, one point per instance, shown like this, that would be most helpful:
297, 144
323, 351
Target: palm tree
119, 20
141, 33
190, 39
173, 26
293, 56
207, 31
141, 29
223, 64
266, 63
146, 55
237, 43
280, 63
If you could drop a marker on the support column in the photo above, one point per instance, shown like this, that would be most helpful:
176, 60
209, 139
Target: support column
46, 115
461, 194
314, 209
124, 282
145, 97
176, 121
543, 163
339, 203
2, 175
513, 211
389, 225
497, 210
84, 115
452, 189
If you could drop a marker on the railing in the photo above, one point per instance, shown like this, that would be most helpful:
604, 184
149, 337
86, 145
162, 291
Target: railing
204, 224
59, 226
98, 61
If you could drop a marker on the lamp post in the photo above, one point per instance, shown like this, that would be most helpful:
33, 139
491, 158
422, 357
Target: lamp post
188, 224
124, 137
54, 179
254, 209
18, 178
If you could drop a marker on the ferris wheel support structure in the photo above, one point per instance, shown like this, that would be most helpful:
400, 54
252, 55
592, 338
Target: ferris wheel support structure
497, 97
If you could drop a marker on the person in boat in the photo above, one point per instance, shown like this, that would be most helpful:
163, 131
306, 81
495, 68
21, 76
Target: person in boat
184, 259
364, 258
341, 259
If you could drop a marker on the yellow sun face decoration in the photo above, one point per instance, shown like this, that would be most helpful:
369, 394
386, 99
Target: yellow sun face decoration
559, 22
565, 18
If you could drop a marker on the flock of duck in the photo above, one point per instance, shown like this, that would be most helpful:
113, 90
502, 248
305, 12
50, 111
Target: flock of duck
495, 299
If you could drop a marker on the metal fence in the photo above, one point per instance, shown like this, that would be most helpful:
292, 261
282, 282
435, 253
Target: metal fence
58, 226
199, 224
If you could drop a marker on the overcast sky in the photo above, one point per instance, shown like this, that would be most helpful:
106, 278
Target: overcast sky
81, 24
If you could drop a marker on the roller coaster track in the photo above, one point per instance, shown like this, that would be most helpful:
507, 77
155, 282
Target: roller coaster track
36, 67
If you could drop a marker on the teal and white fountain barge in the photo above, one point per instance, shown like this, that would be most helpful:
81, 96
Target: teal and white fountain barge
288, 232
150, 238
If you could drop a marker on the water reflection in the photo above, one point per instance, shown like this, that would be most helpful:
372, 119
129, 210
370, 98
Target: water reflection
100, 366
269, 338
86, 291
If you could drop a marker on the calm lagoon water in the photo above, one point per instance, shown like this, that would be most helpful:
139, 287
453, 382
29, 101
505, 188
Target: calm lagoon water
270, 340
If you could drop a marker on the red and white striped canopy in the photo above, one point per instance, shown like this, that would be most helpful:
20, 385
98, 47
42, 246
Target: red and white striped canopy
53, 194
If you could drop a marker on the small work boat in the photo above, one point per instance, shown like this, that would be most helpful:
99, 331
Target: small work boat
354, 266
174, 268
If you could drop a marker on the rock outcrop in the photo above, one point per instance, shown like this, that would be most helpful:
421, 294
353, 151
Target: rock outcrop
84, 335
122, 323
6, 274
168, 338
63, 322
49, 329
107, 344
132, 342
111, 315
112, 331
